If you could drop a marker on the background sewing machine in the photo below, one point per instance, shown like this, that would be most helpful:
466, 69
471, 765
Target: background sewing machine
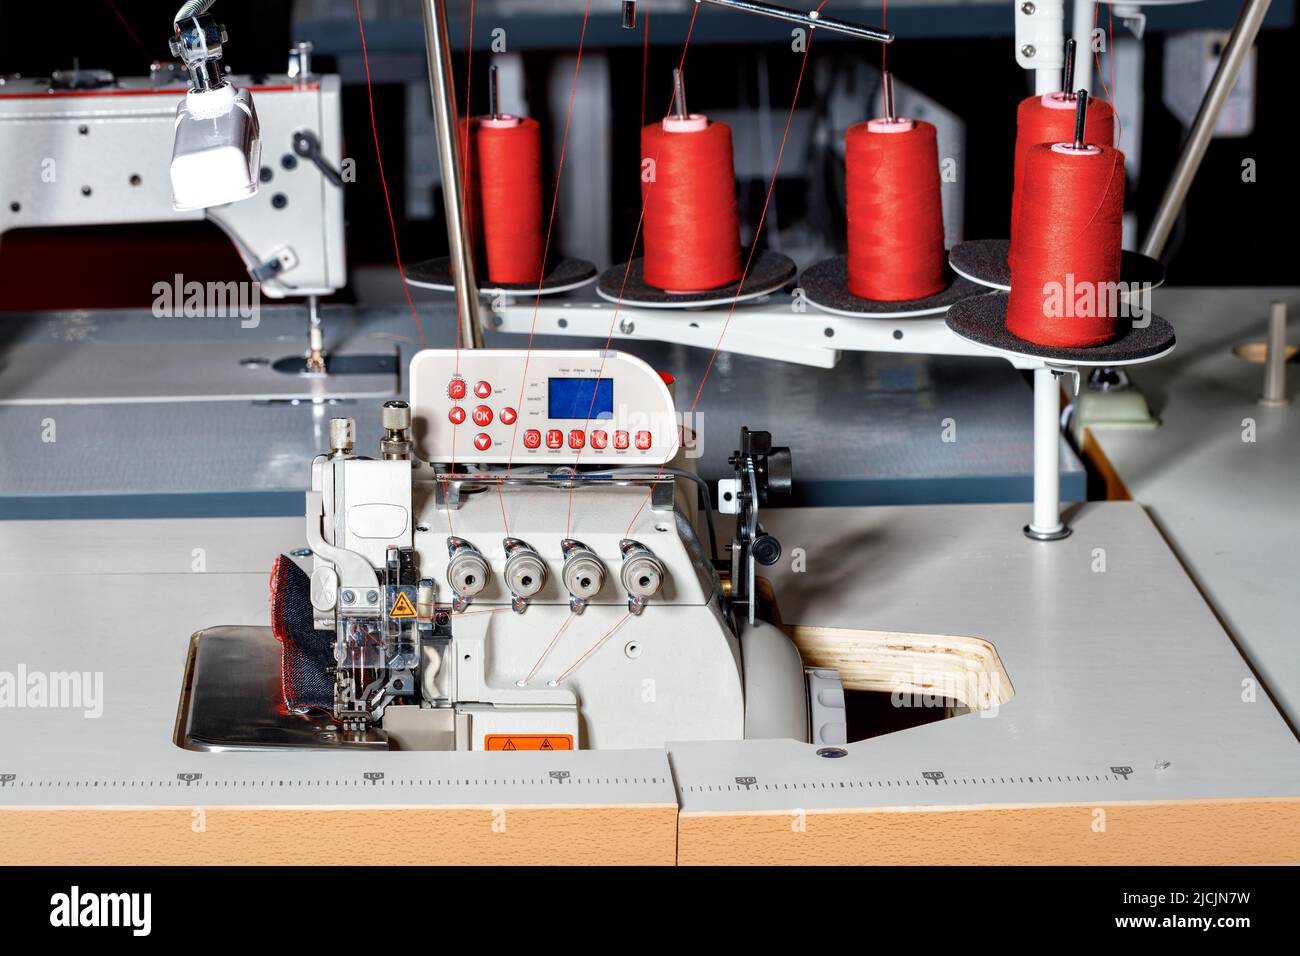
85, 148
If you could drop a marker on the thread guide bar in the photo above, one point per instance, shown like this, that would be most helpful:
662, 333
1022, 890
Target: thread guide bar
812, 18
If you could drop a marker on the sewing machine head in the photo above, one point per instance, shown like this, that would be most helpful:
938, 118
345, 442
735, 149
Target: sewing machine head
99, 150
520, 568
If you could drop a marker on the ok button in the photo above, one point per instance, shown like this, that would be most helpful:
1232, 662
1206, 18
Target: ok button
482, 416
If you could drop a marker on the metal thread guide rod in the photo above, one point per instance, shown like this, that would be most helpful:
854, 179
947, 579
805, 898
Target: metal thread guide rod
679, 95
1080, 119
1233, 57
1068, 86
459, 245
812, 19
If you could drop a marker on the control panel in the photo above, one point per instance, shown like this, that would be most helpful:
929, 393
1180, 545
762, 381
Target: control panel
541, 407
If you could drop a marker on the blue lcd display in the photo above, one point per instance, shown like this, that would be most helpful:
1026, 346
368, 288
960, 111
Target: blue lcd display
581, 398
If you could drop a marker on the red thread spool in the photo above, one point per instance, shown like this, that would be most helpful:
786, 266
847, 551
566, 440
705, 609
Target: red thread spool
1065, 266
692, 225
507, 157
895, 216
1050, 119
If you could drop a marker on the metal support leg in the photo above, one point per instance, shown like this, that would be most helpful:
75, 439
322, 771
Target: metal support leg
1198, 139
459, 242
1047, 524
1275, 358
1081, 31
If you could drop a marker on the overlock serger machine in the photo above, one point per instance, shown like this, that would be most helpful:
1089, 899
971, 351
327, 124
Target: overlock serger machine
517, 568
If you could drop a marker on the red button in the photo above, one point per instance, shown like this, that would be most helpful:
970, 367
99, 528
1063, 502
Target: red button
457, 388
532, 438
508, 416
599, 439
643, 440
482, 416
555, 438
482, 389
482, 442
456, 415
620, 439
577, 438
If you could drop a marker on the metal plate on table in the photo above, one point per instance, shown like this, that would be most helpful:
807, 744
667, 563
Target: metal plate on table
231, 699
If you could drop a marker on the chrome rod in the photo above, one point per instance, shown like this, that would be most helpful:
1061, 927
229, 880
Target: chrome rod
1207, 117
460, 244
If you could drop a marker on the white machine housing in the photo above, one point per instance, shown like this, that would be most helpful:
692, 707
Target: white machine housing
605, 674
78, 157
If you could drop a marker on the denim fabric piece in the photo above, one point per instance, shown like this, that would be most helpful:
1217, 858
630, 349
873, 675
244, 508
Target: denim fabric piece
307, 655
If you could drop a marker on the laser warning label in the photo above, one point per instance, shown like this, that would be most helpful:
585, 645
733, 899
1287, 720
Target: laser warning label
528, 742
402, 607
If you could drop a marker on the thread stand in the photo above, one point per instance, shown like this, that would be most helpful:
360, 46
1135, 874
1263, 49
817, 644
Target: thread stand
983, 321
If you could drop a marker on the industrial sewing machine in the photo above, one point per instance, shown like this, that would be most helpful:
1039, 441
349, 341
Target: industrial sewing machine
88, 148
552, 595
97, 151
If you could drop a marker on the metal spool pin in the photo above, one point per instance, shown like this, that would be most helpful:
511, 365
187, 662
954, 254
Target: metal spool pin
887, 84
1080, 118
1068, 85
494, 93
679, 95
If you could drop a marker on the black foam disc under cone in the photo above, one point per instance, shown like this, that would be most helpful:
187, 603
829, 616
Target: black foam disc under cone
564, 274
768, 273
826, 285
985, 261
983, 320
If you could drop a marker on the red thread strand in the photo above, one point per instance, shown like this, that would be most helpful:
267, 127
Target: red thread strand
895, 216
692, 223
1065, 266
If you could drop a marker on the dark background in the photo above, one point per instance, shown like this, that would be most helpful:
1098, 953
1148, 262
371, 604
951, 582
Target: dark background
1231, 233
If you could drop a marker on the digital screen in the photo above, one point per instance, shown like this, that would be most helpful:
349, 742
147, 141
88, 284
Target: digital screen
581, 398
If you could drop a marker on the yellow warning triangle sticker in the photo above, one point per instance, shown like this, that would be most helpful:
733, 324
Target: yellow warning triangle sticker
402, 607
546, 745
510, 745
